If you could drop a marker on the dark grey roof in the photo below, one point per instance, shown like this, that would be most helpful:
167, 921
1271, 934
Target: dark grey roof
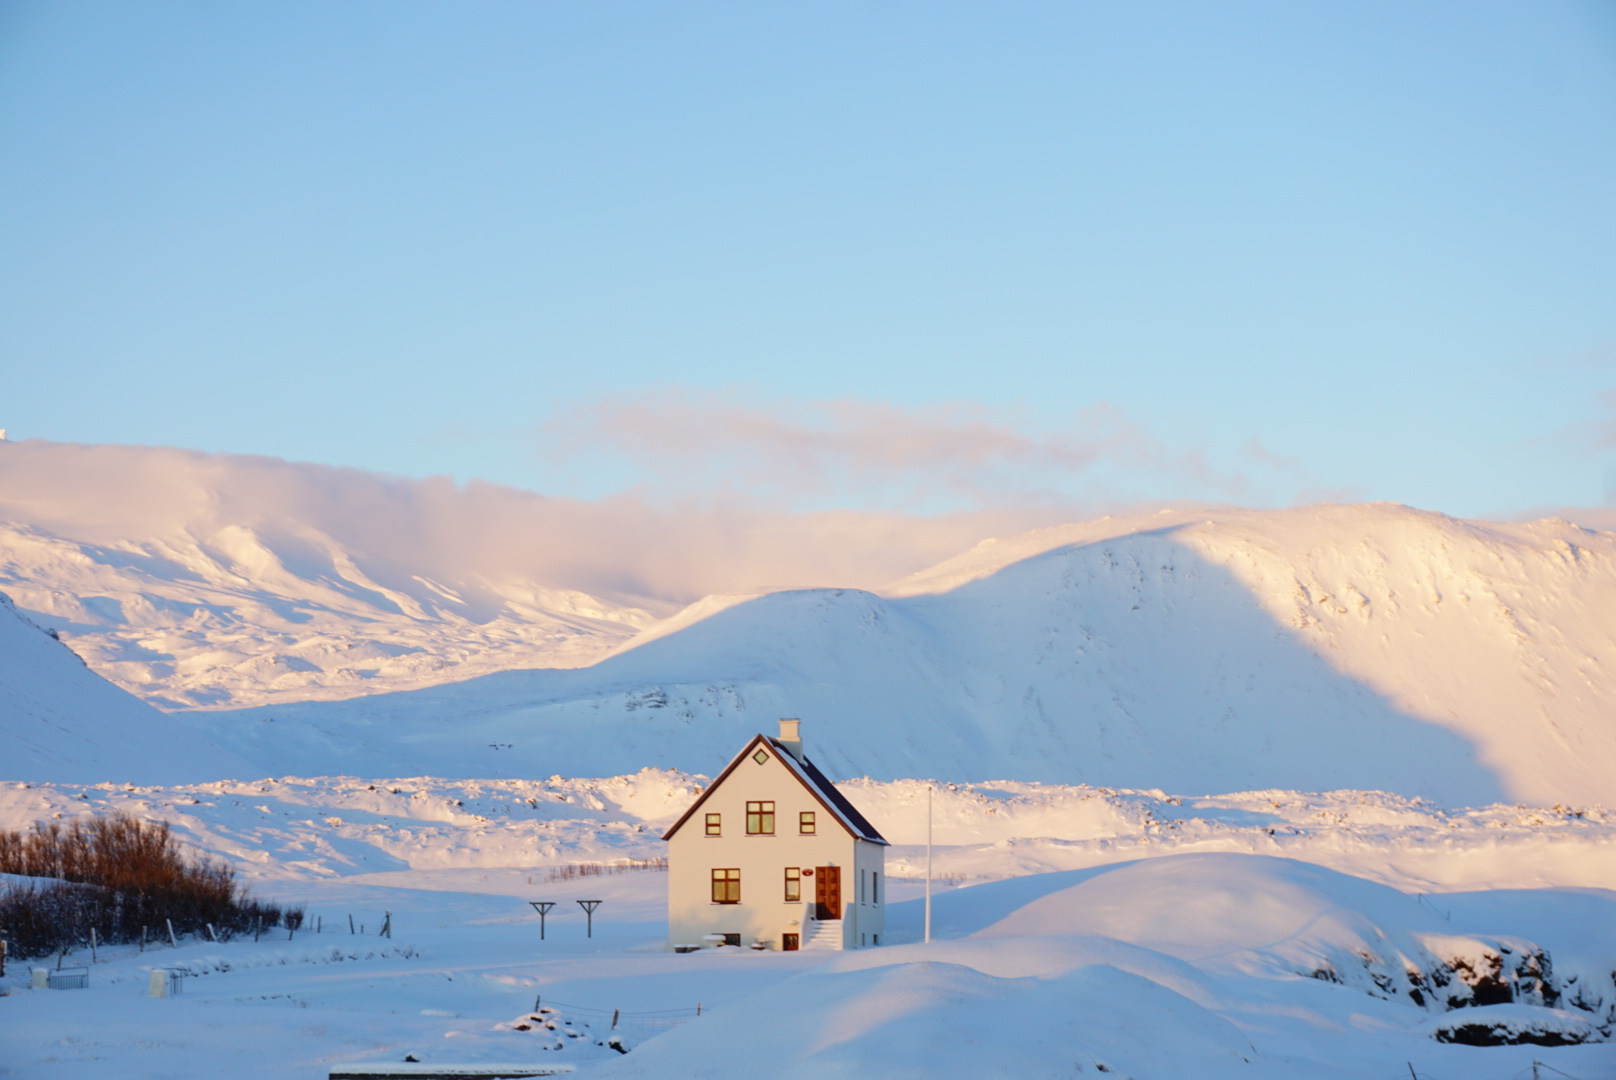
830, 792
811, 778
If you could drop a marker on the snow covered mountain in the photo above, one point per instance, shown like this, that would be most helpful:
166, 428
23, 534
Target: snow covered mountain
234, 615
200, 581
197, 580
60, 719
1323, 648
380, 625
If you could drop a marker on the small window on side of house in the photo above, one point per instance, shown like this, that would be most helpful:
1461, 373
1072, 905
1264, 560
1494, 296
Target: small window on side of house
727, 886
793, 885
715, 824
805, 822
875, 891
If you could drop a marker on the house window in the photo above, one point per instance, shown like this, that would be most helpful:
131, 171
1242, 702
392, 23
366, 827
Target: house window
715, 824
805, 822
793, 885
875, 891
760, 819
727, 886
760, 757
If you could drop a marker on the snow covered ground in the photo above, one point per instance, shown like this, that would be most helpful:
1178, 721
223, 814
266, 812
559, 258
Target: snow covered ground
1081, 931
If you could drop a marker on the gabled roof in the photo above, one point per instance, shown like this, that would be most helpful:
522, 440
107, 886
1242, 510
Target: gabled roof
808, 774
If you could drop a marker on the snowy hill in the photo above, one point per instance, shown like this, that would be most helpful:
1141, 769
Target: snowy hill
61, 720
1331, 647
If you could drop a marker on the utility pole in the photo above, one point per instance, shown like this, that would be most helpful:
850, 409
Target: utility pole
589, 907
543, 908
928, 862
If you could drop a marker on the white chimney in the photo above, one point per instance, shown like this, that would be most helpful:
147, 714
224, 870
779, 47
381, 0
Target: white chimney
791, 736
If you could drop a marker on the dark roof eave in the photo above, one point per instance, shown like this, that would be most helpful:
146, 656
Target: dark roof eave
809, 776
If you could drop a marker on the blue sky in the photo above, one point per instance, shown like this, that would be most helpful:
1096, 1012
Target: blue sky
925, 256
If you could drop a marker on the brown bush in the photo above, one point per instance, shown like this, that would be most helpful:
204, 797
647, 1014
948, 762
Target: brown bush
123, 877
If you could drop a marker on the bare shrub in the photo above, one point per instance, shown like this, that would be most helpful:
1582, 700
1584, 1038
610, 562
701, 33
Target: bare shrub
124, 878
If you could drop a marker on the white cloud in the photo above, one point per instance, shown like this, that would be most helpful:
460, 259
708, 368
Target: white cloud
119, 495
852, 452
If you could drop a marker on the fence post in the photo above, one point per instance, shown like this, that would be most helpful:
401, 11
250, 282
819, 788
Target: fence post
350, 923
172, 940
387, 926
93, 959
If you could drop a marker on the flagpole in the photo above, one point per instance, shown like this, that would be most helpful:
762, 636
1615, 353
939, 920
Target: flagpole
928, 862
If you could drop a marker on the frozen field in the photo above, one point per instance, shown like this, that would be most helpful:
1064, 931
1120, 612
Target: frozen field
1271, 934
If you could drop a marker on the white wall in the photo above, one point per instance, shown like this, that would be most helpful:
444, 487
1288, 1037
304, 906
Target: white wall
763, 913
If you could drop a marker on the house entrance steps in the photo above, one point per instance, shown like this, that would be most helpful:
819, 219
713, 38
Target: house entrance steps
823, 935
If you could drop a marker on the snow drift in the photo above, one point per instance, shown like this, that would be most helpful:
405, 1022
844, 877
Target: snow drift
1176, 966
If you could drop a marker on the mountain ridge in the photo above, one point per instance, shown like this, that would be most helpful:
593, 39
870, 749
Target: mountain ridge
1250, 649
1372, 646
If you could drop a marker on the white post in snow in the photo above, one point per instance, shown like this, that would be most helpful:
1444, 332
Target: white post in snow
928, 862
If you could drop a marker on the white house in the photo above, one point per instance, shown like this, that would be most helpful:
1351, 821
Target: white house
772, 855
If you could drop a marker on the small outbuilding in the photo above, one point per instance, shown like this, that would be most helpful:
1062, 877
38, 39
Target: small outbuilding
773, 856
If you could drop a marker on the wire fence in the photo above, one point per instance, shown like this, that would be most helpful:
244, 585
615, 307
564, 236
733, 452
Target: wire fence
574, 871
635, 1026
1536, 1071
949, 880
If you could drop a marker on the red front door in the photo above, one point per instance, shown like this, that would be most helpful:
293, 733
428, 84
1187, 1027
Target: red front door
828, 892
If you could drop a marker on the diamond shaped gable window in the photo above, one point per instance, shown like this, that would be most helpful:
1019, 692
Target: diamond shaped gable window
760, 757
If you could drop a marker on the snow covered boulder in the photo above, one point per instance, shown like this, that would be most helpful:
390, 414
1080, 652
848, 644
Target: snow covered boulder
1510, 1025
